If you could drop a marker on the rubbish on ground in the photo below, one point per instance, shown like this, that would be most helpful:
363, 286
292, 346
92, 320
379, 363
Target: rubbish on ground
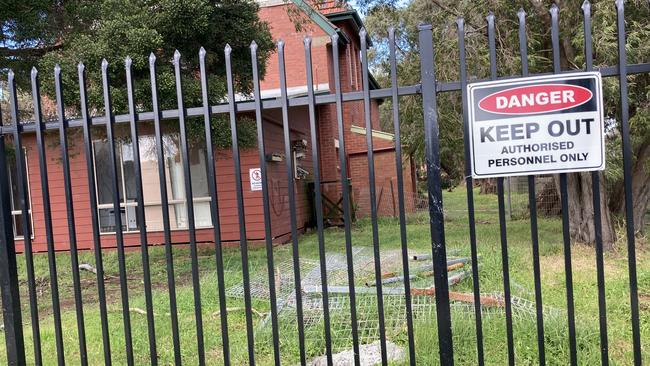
344, 290
390, 280
451, 262
228, 310
138, 310
310, 289
422, 301
369, 355
426, 257
88, 267
461, 296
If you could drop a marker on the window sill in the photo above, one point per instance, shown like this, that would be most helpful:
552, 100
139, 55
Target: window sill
154, 231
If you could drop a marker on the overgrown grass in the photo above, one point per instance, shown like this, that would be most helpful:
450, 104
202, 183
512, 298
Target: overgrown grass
456, 230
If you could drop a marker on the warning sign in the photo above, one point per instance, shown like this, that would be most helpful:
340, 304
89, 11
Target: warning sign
536, 125
255, 175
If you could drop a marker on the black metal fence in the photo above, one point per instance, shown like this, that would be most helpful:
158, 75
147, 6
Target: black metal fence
429, 88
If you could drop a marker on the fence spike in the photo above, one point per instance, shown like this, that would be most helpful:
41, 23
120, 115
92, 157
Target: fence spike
620, 4
177, 57
521, 14
490, 18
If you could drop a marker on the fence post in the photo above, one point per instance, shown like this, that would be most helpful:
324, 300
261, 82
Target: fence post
11, 314
432, 143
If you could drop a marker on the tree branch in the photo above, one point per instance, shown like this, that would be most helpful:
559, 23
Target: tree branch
29, 51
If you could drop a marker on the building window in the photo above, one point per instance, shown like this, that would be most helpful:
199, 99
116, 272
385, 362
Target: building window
151, 185
16, 203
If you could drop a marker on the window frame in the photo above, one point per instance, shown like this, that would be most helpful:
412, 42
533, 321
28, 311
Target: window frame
124, 204
15, 213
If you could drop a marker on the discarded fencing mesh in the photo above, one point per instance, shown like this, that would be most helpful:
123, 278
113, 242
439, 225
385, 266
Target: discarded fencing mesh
394, 300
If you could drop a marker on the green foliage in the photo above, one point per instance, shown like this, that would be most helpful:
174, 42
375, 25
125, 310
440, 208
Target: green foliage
443, 14
221, 133
89, 31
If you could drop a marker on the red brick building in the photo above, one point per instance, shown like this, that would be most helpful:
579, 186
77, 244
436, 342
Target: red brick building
318, 24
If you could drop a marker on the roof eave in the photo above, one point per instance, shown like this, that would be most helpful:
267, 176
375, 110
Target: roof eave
352, 15
321, 20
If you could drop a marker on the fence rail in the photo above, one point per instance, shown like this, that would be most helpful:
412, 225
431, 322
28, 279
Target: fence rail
428, 89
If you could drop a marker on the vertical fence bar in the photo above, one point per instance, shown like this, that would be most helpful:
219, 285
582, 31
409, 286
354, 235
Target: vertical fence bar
243, 242
400, 195
67, 183
318, 199
144, 246
189, 202
47, 213
627, 175
469, 185
292, 202
502, 211
119, 237
164, 202
431, 139
90, 171
23, 193
509, 197
532, 202
11, 314
373, 194
268, 235
596, 197
564, 198
345, 191
214, 208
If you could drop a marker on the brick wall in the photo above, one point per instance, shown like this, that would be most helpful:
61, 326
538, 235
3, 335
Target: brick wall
283, 27
387, 195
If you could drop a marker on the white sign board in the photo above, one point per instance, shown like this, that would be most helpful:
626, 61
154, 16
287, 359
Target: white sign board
536, 125
255, 175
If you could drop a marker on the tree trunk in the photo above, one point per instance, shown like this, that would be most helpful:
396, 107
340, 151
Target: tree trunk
488, 186
640, 187
640, 198
581, 210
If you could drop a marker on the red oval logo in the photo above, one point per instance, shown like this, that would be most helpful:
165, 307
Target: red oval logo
535, 99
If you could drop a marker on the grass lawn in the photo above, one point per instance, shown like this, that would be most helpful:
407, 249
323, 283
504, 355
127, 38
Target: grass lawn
491, 280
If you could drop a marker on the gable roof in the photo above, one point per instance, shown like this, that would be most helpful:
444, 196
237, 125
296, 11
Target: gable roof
351, 16
321, 20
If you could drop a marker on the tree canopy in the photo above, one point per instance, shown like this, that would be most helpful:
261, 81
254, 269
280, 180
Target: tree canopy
44, 33
443, 14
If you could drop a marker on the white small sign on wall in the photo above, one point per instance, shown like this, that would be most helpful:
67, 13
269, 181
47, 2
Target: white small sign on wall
255, 175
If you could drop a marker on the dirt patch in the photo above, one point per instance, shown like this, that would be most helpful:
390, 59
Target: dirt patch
583, 259
644, 301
